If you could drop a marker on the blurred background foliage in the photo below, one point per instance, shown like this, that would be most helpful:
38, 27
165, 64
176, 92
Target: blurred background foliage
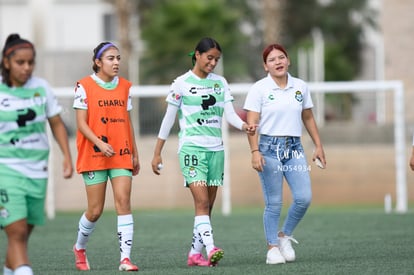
170, 29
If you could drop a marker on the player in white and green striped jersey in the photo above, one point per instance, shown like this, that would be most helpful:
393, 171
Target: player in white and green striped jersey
26, 105
200, 98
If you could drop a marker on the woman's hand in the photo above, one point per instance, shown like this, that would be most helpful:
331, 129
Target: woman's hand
250, 129
257, 161
156, 160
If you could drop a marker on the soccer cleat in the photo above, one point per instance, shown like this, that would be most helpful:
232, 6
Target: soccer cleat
81, 261
286, 248
197, 260
274, 256
126, 265
215, 256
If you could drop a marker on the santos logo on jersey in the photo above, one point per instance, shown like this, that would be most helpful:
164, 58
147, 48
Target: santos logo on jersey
299, 96
217, 89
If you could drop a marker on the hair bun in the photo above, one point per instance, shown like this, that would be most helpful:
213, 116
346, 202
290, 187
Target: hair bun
12, 37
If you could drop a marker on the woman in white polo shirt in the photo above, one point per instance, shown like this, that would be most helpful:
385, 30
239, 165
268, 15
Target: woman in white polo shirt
279, 104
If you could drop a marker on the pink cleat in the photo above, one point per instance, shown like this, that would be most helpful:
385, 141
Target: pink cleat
81, 261
197, 260
126, 265
215, 256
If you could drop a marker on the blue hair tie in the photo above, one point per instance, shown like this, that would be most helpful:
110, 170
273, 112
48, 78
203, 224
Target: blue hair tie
104, 48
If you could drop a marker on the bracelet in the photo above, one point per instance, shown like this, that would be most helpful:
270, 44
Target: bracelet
255, 150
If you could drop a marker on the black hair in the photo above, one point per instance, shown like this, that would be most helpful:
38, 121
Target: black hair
98, 51
204, 45
13, 43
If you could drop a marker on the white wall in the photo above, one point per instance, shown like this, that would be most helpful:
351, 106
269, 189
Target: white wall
15, 17
55, 24
65, 32
77, 26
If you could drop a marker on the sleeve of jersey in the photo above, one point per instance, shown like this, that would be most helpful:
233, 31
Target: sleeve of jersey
53, 107
80, 101
227, 96
307, 99
253, 101
168, 121
232, 117
174, 96
129, 104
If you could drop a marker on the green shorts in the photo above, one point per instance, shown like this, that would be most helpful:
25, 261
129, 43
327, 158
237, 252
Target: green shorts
95, 177
22, 198
202, 167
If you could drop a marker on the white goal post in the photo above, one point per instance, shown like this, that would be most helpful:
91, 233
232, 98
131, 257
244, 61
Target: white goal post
396, 87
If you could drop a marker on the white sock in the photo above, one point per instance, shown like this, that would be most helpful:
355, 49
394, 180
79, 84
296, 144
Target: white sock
23, 270
125, 235
85, 229
197, 243
202, 223
7, 271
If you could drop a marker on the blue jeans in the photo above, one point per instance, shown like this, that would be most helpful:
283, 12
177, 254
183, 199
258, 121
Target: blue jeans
284, 157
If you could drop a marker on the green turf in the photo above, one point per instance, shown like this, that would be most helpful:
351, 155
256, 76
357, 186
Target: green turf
331, 241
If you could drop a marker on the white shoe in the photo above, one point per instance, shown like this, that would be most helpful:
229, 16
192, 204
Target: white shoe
274, 256
286, 248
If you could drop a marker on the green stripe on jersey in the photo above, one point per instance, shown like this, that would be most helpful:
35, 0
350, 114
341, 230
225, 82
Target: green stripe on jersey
26, 154
24, 145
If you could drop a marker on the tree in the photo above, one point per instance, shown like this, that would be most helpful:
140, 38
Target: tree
123, 11
171, 29
341, 23
342, 31
273, 11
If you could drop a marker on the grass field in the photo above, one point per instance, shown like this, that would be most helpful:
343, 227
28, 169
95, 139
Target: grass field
343, 240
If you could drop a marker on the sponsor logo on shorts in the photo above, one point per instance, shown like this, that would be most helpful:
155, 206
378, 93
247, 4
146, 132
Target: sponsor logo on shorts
192, 172
3, 212
91, 175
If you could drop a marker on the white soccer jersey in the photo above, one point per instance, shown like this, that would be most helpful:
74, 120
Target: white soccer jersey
280, 109
201, 107
24, 146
